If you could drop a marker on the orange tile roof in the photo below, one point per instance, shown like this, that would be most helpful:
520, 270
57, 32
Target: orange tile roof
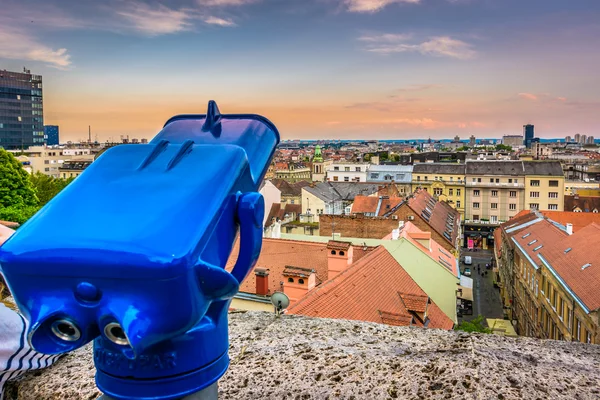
567, 255
578, 219
412, 302
586, 204
338, 245
277, 255
368, 204
367, 289
423, 203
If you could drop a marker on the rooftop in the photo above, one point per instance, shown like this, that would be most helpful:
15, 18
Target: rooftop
578, 219
514, 168
312, 358
439, 168
442, 218
338, 191
584, 204
375, 204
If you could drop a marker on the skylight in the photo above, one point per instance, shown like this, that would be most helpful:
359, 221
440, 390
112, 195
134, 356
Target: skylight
532, 242
586, 266
537, 248
568, 250
525, 235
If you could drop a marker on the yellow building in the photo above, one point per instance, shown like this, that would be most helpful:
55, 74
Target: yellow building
294, 173
544, 186
582, 188
444, 181
73, 168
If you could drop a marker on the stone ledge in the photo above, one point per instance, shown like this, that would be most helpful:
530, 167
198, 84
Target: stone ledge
298, 357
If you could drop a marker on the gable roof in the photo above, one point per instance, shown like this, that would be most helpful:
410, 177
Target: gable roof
371, 290
341, 191
442, 218
289, 189
578, 219
440, 168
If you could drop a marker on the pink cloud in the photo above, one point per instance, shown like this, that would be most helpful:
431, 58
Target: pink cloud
528, 96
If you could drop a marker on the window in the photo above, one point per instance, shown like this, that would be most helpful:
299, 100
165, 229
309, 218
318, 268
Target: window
534, 182
512, 207
497, 180
47, 169
570, 321
475, 217
553, 195
301, 281
18, 97
425, 179
346, 179
516, 181
588, 337
534, 205
494, 193
291, 280
458, 192
578, 331
418, 178
554, 298
19, 119
336, 168
491, 180
357, 169
347, 169
512, 193
335, 178
493, 218
438, 191
552, 206
291, 201
479, 180
560, 307
553, 183
474, 179
458, 204
450, 192
510, 181
494, 205
475, 205
374, 176
534, 195
476, 192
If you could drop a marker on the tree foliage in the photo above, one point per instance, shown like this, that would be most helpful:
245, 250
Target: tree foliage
16, 189
475, 325
47, 187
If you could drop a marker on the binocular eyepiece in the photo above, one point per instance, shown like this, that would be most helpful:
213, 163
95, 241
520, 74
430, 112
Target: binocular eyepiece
132, 254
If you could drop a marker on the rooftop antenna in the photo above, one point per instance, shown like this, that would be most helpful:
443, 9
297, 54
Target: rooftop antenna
89, 134
280, 301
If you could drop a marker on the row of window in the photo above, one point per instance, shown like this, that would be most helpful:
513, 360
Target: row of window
440, 191
440, 178
536, 182
551, 195
494, 206
347, 169
494, 193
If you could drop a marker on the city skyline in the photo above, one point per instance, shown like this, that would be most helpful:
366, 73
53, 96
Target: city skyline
339, 69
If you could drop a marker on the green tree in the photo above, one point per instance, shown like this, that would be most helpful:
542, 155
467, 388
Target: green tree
475, 325
47, 187
16, 189
396, 157
463, 148
503, 147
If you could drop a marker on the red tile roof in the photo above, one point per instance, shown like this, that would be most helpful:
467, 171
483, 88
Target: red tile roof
338, 245
369, 291
586, 204
436, 213
567, 255
578, 219
368, 204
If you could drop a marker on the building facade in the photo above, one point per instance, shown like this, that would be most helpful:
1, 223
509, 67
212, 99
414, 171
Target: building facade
545, 273
528, 135
445, 181
51, 135
21, 110
400, 175
347, 172
512, 140
293, 173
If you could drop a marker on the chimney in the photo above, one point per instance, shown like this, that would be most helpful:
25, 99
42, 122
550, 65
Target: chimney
298, 282
262, 281
395, 234
339, 257
569, 228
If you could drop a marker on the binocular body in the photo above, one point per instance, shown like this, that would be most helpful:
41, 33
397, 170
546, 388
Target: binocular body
132, 254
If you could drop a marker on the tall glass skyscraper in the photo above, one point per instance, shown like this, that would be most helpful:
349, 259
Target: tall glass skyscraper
21, 110
528, 135
51, 135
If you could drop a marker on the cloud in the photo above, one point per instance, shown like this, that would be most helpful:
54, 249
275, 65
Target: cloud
223, 3
17, 45
158, 20
438, 46
219, 21
528, 96
372, 6
419, 88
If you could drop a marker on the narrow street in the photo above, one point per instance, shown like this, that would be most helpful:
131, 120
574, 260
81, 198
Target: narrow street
486, 298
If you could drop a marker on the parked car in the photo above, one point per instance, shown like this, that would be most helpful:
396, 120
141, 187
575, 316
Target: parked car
467, 272
468, 260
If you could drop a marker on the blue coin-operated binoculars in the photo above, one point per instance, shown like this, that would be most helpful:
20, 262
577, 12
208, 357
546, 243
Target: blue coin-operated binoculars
132, 254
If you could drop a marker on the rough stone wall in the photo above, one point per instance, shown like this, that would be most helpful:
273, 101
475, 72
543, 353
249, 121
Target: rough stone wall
294, 357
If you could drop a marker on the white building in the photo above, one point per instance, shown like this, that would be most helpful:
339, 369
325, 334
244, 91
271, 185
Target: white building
347, 172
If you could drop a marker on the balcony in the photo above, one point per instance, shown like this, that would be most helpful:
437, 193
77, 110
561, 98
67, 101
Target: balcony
501, 185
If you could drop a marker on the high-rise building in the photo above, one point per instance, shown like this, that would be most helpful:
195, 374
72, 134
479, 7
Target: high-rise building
51, 135
568, 139
583, 139
528, 135
590, 140
577, 137
21, 110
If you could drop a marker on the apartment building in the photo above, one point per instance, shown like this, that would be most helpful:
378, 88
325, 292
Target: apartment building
497, 190
400, 175
292, 172
347, 172
549, 277
445, 181
50, 160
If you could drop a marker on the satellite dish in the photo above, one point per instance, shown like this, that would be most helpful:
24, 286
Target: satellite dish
280, 301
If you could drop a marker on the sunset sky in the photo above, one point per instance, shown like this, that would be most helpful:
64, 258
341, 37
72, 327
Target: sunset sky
317, 68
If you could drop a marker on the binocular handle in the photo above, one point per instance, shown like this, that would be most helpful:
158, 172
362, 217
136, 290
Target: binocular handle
250, 214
